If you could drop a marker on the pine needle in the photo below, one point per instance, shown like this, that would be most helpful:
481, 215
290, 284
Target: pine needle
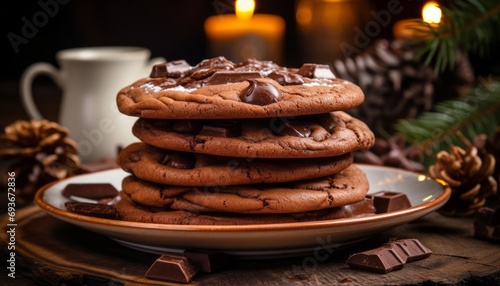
470, 25
476, 113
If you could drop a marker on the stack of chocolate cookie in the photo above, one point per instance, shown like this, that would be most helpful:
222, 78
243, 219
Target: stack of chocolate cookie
246, 143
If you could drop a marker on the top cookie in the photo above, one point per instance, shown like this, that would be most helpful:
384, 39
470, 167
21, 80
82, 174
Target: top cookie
219, 89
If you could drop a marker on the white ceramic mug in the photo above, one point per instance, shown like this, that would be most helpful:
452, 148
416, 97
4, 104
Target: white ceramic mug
90, 79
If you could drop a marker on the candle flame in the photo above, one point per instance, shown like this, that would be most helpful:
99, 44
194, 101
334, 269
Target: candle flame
431, 13
244, 9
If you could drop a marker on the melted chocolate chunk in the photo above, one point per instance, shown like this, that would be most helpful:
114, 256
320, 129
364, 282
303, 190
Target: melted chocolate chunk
260, 93
297, 129
179, 160
253, 64
208, 67
186, 126
219, 70
222, 77
316, 71
168, 83
172, 69
286, 78
221, 128
172, 267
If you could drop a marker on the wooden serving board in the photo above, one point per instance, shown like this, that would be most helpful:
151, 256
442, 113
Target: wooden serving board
55, 253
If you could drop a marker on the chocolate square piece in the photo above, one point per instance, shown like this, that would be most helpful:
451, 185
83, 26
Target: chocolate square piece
316, 71
90, 209
172, 267
207, 261
411, 248
487, 224
386, 201
94, 191
391, 256
223, 77
379, 260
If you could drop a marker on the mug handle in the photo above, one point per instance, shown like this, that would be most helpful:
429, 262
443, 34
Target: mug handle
27, 81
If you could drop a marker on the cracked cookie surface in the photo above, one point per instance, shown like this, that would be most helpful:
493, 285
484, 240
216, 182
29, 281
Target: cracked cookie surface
188, 169
343, 188
219, 89
131, 211
329, 134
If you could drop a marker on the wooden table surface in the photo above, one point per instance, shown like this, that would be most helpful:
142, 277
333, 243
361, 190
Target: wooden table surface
53, 252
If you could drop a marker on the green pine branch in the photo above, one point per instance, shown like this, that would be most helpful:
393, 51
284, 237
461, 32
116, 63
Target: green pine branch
469, 25
476, 113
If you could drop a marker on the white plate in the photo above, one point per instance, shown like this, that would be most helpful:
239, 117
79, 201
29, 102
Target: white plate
425, 195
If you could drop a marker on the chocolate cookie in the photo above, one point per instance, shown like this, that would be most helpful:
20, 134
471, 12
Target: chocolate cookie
188, 169
131, 211
219, 89
345, 187
328, 134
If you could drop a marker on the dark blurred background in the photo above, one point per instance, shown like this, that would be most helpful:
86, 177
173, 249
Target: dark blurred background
171, 29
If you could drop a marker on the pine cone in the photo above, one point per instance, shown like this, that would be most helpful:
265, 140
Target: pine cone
469, 176
393, 153
397, 84
38, 152
490, 144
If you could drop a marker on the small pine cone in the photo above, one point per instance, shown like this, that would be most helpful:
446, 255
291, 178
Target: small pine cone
393, 153
490, 144
38, 152
469, 176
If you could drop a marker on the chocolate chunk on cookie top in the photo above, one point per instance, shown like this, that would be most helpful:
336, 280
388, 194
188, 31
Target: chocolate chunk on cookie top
220, 89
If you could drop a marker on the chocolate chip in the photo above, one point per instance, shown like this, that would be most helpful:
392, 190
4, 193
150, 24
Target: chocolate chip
221, 128
179, 160
173, 268
316, 71
223, 77
260, 93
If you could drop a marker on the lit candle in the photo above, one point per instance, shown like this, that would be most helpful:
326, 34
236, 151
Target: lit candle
410, 28
245, 35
